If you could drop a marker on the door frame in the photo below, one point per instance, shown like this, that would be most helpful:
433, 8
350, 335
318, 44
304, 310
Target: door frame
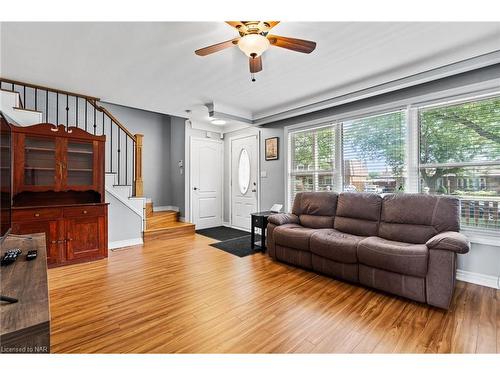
230, 192
189, 172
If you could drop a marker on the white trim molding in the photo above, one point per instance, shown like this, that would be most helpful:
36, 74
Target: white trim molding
479, 279
482, 237
124, 243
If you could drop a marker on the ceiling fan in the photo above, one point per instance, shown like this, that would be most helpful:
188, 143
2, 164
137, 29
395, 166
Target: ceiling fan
255, 39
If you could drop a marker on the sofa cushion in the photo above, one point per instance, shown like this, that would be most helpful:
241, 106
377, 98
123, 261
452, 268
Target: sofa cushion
315, 210
416, 218
335, 245
358, 213
399, 257
293, 235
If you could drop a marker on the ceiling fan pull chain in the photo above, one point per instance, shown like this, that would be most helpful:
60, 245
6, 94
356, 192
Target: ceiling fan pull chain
252, 76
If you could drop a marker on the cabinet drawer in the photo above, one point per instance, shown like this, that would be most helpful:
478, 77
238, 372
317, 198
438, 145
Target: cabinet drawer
36, 214
84, 211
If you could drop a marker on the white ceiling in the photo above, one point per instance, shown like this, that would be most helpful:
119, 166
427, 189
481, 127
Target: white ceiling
153, 66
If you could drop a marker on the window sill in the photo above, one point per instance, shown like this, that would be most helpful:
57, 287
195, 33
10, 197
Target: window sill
483, 237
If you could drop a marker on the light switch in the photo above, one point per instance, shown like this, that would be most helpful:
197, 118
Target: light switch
263, 174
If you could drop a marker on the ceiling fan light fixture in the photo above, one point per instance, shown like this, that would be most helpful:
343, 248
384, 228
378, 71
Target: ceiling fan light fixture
253, 45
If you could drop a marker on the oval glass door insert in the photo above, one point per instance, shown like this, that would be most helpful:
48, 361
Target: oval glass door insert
244, 171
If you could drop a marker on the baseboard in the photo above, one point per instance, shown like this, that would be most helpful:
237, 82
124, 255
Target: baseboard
124, 243
479, 279
165, 208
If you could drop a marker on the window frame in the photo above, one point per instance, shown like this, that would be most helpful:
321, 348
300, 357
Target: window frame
336, 172
470, 230
411, 105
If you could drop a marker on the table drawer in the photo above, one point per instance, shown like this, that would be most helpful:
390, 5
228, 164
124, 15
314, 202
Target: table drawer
36, 214
258, 221
84, 211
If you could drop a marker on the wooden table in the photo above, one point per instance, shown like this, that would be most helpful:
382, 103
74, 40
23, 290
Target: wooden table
25, 325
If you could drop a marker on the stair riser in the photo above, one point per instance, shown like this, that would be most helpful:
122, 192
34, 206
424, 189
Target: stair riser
169, 233
149, 209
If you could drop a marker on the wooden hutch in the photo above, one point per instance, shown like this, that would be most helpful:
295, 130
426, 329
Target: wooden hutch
58, 188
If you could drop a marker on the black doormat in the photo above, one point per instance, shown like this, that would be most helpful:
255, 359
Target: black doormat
240, 246
222, 233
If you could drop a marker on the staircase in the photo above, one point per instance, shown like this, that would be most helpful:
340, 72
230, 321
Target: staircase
27, 104
165, 224
13, 108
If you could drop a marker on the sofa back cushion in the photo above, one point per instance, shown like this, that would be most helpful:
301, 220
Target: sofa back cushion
358, 213
315, 209
415, 218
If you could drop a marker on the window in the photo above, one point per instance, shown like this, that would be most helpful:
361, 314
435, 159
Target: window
457, 153
312, 162
373, 150
374, 153
460, 155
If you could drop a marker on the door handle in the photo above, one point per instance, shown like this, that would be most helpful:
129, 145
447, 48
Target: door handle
195, 188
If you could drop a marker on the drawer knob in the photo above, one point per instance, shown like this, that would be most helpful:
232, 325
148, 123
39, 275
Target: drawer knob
54, 241
37, 214
84, 211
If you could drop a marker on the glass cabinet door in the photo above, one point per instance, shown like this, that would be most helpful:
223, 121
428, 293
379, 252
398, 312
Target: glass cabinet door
39, 161
79, 164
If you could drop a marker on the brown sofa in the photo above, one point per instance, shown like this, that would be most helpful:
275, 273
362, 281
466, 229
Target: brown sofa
405, 244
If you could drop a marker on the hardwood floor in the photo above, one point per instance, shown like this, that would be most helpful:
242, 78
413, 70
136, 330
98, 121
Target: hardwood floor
181, 295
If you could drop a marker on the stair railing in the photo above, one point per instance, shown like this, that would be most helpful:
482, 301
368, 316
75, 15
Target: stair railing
59, 107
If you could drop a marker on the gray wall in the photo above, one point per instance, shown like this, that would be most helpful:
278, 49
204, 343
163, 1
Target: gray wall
156, 149
177, 149
483, 259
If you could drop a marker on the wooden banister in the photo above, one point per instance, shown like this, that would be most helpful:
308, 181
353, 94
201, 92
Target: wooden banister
113, 118
119, 156
138, 183
38, 87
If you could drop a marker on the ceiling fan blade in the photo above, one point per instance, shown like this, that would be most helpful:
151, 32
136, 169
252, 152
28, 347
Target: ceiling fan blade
255, 64
216, 47
298, 45
272, 23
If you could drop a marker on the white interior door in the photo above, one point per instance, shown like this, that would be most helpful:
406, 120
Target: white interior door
244, 168
206, 182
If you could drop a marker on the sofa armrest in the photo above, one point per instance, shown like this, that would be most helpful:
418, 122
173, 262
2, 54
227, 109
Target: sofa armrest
280, 219
452, 241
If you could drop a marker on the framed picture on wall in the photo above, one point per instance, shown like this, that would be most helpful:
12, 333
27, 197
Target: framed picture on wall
272, 148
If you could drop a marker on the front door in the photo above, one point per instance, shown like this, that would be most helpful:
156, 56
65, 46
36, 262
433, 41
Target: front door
244, 165
206, 182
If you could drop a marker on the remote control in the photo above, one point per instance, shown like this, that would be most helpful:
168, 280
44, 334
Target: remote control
10, 256
31, 254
